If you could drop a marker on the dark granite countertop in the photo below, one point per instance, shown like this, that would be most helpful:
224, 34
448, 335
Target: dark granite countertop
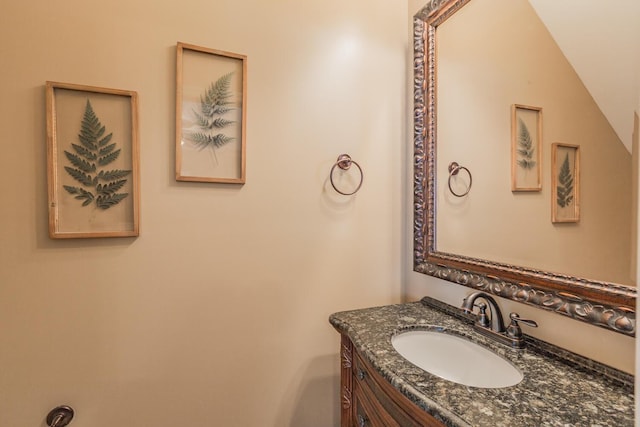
559, 388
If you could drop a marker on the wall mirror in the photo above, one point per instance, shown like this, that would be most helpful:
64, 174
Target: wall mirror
494, 92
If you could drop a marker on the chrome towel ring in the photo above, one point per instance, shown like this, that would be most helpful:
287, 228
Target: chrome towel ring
344, 162
454, 168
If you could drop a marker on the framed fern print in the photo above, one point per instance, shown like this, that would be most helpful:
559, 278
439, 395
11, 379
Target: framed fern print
526, 146
565, 183
210, 115
92, 161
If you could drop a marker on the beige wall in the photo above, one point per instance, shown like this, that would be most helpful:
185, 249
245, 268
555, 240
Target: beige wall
608, 347
217, 313
636, 146
635, 180
488, 63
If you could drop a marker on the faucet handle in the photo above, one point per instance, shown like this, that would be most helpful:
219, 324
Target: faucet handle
515, 317
482, 318
513, 330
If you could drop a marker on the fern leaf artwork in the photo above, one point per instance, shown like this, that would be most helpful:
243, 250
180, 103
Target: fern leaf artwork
564, 188
214, 104
525, 146
88, 159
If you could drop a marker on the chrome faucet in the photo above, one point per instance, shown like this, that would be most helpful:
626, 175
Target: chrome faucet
493, 326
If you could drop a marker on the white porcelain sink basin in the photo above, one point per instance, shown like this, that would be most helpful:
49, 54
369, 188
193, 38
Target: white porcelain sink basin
456, 359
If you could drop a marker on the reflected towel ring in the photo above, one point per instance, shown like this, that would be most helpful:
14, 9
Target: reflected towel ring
344, 162
454, 168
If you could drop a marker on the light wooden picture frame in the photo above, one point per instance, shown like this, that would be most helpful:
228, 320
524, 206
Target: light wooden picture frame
565, 183
526, 148
211, 101
92, 161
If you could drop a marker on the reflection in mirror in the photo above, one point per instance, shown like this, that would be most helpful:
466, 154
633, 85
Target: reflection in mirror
496, 61
494, 238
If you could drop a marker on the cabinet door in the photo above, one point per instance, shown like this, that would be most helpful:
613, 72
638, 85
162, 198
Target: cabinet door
368, 400
371, 384
367, 412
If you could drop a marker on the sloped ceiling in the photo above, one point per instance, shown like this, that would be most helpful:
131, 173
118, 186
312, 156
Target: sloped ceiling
602, 42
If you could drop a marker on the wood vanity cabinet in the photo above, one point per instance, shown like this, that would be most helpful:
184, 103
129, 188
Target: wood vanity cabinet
368, 400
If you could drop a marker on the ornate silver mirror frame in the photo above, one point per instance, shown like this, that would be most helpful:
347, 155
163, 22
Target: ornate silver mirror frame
608, 305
